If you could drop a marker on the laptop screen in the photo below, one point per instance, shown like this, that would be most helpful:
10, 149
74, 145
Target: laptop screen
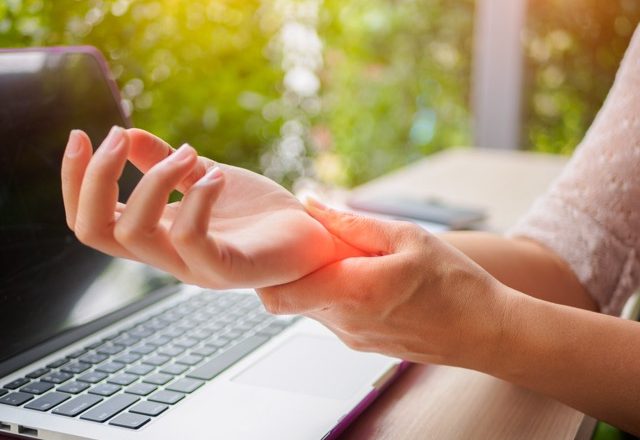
50, 282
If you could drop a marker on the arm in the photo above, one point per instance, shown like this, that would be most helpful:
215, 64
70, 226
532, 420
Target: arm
423, 300
524, 265
587, 360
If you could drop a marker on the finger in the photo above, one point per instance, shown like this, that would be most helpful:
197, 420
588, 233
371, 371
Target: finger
147, 150
365, 233
99, 194
190, 230
317, 291
138, 229
74, 164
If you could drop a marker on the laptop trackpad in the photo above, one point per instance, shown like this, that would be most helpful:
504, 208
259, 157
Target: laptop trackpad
315, 365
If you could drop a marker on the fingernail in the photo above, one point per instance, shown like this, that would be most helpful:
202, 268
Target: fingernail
214, 174
114, 139
73, 145
182, 153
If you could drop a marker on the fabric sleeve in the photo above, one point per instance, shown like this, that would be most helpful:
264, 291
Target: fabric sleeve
591, 214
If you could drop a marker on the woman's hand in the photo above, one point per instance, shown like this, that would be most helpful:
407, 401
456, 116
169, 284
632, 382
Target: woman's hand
233, 228
417, 298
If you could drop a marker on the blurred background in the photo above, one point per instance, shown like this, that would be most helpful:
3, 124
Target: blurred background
337, 90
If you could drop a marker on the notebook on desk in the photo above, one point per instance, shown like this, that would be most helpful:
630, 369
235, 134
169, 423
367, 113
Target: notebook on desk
103, 348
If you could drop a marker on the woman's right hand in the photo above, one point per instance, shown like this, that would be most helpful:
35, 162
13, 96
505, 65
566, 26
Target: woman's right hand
233, 228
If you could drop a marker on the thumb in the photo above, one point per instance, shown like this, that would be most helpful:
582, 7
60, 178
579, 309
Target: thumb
365, 233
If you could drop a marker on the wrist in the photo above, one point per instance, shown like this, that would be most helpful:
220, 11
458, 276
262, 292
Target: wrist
501, 331
342, 250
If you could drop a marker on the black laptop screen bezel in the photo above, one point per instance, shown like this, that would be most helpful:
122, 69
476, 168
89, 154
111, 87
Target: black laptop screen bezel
70, 335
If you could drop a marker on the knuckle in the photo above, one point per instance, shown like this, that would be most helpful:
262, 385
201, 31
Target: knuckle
273, 303
355, 343
84, 233
125, 233
350, 328
410, 230
183, 235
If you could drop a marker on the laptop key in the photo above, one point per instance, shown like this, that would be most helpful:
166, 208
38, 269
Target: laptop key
93, 358
158, 378
3, 391
232, 334
57, 377
77, 353
129, 420
110, 367
141, 389
36, 387
169, 397
93, 346
159, 340
217, 343
73, 387
37, 373
174, 369
77, 405
92, 377
110, 336
123, 379
171, 350
126, 340
48, 401
185, 385
16, 399
156, 360
173, 332
140, 332
224, 360
105, 389
128, 358
16, 383
190, 359
200, 334
143, 349
205, 350
140, 370
58, 363
76, 367
110, 408
147, 408
185, 342
110, 349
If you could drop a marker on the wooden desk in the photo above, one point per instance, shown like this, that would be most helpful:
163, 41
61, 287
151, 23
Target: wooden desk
438, 402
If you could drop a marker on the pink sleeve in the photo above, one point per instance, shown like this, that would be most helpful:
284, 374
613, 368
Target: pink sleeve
591, 214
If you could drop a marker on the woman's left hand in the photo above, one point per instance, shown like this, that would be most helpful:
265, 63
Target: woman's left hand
415, 297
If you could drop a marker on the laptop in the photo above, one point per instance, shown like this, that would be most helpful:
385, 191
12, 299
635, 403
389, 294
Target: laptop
97, 347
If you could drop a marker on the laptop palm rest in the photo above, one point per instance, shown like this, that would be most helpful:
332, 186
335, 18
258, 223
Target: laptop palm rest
314, 365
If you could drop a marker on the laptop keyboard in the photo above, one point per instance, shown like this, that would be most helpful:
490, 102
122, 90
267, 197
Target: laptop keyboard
133, 376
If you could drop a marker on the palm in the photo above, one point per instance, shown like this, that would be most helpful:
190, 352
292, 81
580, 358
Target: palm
267, 236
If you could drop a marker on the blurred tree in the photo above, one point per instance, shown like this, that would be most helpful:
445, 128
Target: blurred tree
573, 49
394, 84
191, 71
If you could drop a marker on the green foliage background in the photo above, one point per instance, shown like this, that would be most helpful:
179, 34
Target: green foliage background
573, 48
394, 85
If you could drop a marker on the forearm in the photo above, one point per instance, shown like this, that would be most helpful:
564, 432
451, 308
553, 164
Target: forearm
584, 359
523, 265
